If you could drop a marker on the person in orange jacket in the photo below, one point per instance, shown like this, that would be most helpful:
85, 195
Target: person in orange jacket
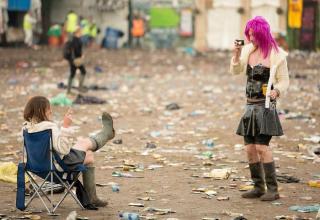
137, 30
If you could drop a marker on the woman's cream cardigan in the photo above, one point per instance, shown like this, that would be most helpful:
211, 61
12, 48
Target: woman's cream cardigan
279, 76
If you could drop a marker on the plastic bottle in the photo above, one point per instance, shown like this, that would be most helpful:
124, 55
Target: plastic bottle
115, 188
318, 215
129, 216
208, 143
314, 183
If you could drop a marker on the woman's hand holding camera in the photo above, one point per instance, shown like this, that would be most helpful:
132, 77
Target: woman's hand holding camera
237, 50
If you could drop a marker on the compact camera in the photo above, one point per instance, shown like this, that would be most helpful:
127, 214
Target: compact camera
240, 42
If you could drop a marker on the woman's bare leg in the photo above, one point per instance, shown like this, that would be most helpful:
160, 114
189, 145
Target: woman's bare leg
252, 153
265, 153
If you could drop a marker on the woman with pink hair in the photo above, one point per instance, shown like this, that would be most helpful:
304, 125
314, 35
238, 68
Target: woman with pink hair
265, 66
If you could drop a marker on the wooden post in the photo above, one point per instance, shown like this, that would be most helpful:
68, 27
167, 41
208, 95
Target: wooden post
46, 20
283, 17
246, 4
318, 27
201, 24
130, 23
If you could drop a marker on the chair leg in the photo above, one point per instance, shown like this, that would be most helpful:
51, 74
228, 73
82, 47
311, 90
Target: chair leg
39, 192
37, 188
32, 182
68, 188
36, 192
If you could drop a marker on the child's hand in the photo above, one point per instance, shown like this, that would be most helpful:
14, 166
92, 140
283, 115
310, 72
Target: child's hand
67, 120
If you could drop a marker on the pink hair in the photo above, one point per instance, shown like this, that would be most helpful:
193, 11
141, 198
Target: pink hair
262, 35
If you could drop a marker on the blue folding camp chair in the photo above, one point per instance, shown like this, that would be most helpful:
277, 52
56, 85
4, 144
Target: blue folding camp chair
40, 157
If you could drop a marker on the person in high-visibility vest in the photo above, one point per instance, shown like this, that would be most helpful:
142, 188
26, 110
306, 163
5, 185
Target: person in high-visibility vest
28, 22
71, 23
93, 30
85, 30
137, 30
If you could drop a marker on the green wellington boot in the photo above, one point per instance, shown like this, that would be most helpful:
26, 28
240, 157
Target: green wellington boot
89, 184
106, 133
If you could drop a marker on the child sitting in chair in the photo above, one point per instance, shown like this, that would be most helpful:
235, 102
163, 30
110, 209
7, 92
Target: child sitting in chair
37, 114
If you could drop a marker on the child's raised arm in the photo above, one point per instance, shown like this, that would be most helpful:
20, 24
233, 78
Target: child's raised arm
67, 119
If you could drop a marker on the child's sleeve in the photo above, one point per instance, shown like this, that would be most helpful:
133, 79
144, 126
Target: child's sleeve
61, 142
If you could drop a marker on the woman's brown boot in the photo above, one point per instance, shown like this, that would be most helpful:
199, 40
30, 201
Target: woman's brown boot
271, 182
257, 178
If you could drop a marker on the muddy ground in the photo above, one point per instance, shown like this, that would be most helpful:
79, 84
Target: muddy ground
140, 85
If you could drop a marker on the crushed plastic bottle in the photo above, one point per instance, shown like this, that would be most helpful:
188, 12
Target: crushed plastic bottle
115, 188
209, 143
207, 154
61, 100
72, 215
129, 216
318, 215
314, 183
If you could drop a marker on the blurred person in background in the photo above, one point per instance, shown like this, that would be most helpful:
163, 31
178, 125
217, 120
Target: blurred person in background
74, 55
71, 23
137, 30
85, 30
28, 23
93, 31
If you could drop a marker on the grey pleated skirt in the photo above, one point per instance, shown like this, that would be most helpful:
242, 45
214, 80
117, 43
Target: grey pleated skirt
259, 120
